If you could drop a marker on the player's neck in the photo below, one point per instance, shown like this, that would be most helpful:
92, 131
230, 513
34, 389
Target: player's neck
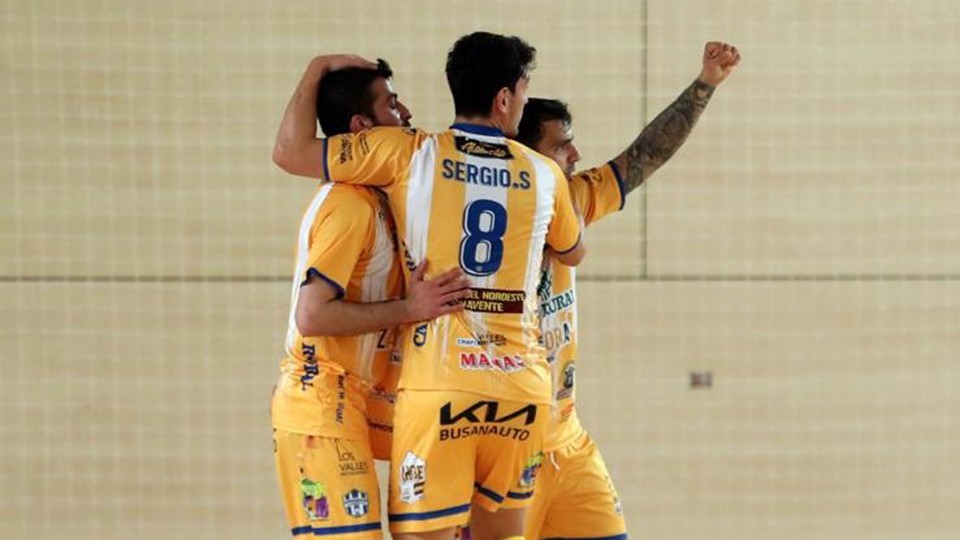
486, 121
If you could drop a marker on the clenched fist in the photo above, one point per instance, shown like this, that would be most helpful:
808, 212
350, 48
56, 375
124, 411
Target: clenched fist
719, 60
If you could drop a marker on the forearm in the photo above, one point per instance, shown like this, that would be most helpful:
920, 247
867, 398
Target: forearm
299, 126
343, 318
662, 137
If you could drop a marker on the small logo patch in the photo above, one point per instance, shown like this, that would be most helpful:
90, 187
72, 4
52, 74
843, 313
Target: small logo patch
413, 477
356, 503
529, 475
315, 502
477, 148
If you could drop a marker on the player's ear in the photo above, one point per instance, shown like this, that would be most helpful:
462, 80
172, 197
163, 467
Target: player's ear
360, 122
502, 100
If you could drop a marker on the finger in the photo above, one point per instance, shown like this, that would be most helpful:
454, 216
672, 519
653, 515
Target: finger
449, 275
354, 60
417, 274
455, 285
454, 296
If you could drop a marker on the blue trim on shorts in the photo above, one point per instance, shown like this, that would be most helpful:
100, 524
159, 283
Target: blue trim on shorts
421, 516
519, 496
489, 493
342, 529
614, 537
623, 193
326, 169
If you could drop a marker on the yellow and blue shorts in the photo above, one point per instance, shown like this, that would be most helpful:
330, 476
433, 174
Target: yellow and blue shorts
328, 486
575, 497
452, 450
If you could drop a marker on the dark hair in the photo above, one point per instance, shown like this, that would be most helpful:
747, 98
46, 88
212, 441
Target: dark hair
480, 64
346, 92
535, 113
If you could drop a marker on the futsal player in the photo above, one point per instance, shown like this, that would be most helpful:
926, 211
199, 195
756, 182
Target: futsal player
574, 496
346, 299
474, 388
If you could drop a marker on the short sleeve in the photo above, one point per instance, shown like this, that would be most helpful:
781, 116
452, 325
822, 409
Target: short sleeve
375, 157
339, 237
563, 233
597, 192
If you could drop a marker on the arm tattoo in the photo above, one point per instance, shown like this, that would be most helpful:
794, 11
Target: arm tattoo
662, 137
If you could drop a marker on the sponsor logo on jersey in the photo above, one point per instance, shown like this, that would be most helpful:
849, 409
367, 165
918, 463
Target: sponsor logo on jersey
554, 337
485, 418
568, 374
314, 499
480, 361
558, 302
485, 149
494, 301
413, 477
420, 335
310, 367
346, 150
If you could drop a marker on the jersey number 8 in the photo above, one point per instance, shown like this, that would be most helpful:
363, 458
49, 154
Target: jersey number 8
481, 250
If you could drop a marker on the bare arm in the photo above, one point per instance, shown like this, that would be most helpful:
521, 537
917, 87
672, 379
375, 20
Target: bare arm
662, 137
321, 313
297, 149
572, 257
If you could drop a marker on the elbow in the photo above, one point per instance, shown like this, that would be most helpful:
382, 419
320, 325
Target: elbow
311, 323
282, 157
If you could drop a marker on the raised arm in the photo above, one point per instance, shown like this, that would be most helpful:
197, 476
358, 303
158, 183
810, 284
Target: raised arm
662, 137
297, 149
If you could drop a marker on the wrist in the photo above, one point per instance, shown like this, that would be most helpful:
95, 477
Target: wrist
407, 311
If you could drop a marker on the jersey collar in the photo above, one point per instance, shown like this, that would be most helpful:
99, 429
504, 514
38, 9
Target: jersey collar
478, 129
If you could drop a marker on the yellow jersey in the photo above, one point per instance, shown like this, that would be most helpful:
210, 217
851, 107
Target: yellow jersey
469, 198
346, 239
597, 193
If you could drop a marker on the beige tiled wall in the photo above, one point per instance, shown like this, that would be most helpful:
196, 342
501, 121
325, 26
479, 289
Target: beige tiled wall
802, 247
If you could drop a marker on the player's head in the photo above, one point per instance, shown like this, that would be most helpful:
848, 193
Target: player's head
547, 127
353, 99
488, 76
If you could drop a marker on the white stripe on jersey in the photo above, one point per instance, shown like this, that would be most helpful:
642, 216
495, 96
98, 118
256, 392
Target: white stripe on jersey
303, 251
475, 192
374, 288
420, 199
546, 193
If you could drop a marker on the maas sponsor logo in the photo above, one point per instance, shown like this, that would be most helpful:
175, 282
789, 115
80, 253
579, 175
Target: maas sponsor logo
481, 361
314, 499
477, 148
486, 418
347, 462
413, 478
529, 475
568, 378
356, 503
